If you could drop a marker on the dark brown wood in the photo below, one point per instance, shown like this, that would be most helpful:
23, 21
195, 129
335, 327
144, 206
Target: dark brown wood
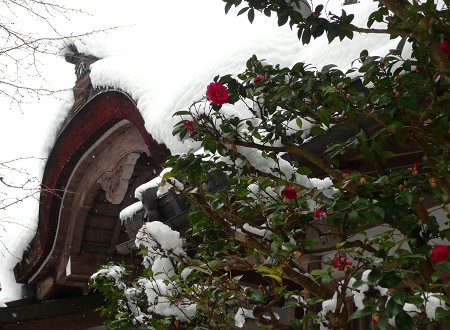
99, 248
94, 235
102, 209
115, 236
44, 287
101, 221
68, 314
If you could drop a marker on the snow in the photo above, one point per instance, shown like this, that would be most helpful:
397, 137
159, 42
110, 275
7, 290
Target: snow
161, 244
431, 303
128, 212
115, 272
158, 94
164, 59
156, 233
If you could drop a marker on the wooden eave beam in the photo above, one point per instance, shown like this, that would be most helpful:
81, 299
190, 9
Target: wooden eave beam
49, 309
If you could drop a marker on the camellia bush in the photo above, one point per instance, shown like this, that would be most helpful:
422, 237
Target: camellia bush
297, 164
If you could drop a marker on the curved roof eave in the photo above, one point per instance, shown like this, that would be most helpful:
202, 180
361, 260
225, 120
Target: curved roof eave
88, 124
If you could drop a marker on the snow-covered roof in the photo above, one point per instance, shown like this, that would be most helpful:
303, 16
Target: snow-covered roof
165, 60
163, 80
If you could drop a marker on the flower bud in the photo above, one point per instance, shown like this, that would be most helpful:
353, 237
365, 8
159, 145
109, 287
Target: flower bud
341, 85
433, 182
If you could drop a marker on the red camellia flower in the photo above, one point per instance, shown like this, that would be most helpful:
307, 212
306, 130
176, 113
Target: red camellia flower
346, 173
439, 253
189, 126
289, 193
318, 212
445, 47
217, 93
416, 168
425, 102
340, 261
258, 79
375, 319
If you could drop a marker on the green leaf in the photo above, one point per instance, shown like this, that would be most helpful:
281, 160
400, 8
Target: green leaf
445, 265
374, 277
327, 68
167, 175
407, 196
380, 212
242, 11
403, 321
440, 312
361, 313
282, 19
400, 45
415, 300
255, 295
251, 15
390, 280
228, 7
304, 170
436, 276
213, 264
319, 272
181, 113
399, 297
383, 321
275, 277
353, 219
202, 270
306, 36
392, 308
295, 325
317, 130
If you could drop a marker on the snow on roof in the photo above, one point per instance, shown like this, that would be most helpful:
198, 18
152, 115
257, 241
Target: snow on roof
164, 58
163, 80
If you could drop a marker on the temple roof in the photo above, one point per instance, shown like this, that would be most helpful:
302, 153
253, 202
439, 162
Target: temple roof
134, 87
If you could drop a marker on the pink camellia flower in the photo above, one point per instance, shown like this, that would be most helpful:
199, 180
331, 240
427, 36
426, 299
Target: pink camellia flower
289, 193
340, 261
445, 47
217, 93
318, 213
189, 126
258, 79
439, 253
